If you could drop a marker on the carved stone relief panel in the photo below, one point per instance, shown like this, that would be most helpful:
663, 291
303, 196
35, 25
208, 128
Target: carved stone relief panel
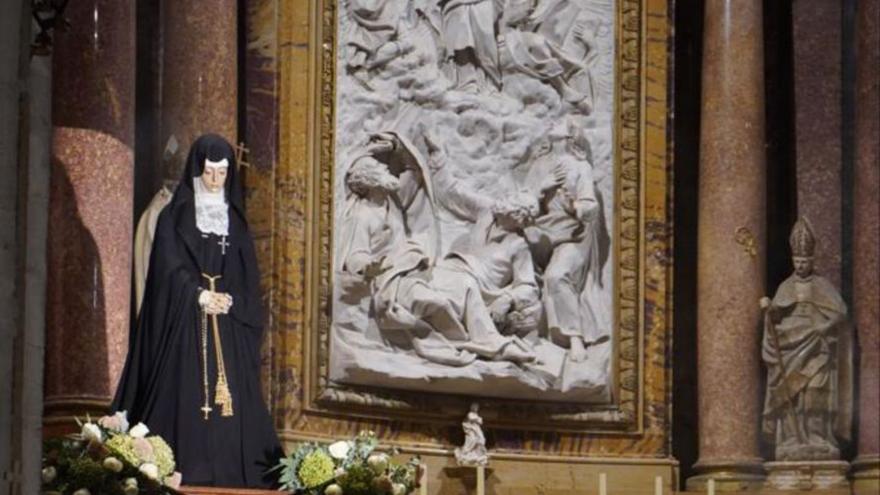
473, 198
481, 221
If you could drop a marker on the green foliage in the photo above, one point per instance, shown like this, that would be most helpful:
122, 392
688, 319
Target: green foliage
85, 471
406, 474
316, 469
358, 480
288, 479
364, 445
310, 468
123, 447
163, 454
72, 463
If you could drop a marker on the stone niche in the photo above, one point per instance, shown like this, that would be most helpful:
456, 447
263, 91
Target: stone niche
471, 204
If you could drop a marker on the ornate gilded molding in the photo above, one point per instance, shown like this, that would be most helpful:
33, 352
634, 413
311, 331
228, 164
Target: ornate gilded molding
624, 414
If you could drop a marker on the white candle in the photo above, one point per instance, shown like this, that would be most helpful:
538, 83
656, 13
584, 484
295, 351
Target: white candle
711, 486
658, 485
423, 483
481, 480
603, 484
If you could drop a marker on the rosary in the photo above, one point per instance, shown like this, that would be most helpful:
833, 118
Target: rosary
222, 396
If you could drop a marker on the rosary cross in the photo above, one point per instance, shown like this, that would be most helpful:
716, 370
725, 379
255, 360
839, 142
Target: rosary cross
207, 410
223, 245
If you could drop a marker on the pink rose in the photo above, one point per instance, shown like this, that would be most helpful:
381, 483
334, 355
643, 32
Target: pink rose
174, 480
143, 449
118, 422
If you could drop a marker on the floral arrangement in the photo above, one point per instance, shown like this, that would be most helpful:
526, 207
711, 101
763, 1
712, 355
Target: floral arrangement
108, 458
347, 467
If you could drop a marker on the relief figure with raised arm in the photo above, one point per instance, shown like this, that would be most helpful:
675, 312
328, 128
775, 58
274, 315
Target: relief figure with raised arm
564, 239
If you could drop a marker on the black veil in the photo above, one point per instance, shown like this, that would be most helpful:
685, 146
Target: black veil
161, 383
214, 148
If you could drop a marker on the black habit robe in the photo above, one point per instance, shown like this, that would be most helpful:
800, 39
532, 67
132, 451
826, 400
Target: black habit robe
162, 382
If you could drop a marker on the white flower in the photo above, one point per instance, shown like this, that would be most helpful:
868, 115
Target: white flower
339, 450
118, 422
378, 463
398, 489
150, 470
131, 490
333, 489
113, 464
91, 433
131, 482
139, 430
48, 474
82, 491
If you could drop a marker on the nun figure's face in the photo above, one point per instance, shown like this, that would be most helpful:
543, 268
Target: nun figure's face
214, 174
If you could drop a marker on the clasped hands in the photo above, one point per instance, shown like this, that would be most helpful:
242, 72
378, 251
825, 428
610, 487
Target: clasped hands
215, 303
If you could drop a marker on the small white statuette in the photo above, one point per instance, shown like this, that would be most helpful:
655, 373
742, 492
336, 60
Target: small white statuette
473, 452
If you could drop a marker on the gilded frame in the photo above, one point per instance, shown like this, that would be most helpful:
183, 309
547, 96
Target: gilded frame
624, 415
285, 42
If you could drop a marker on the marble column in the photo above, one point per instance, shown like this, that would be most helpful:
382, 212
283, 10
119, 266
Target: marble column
731, 240
816, 32
199, 75
90, 207
866, 244
10, 246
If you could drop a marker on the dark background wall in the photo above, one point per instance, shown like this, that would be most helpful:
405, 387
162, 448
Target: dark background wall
688, 54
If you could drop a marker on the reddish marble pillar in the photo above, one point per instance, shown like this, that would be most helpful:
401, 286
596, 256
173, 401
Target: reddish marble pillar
263, 103
199, 74
866, 244
90, 204
731, 240
816, 32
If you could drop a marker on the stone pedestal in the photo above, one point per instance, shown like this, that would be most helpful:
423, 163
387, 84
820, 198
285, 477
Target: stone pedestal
866, 245
866, 475
807, 475
731, 258
90, 207
199, 74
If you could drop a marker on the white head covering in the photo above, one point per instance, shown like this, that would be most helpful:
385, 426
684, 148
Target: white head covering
212, 211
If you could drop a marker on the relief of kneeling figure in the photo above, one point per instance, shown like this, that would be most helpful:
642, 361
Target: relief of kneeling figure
439, 311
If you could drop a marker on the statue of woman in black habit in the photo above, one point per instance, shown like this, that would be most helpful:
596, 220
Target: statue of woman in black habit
193, 369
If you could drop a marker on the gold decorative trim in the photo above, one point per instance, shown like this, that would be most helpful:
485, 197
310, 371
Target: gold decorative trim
496, 454
625, 414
